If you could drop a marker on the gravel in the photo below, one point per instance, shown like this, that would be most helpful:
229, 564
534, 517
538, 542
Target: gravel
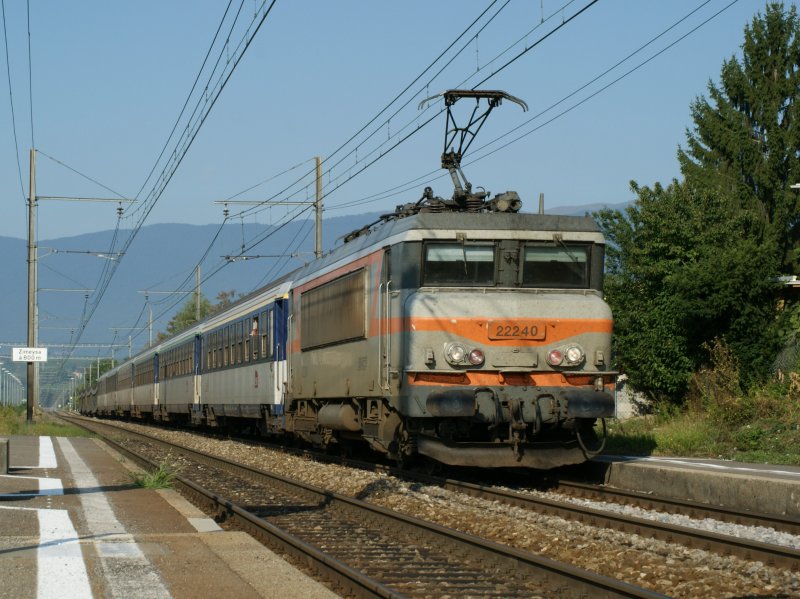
667, 568
762, 534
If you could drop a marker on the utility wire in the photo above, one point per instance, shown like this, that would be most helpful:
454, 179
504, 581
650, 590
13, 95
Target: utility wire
406, 137
215, 270
169, 170
80, 174
188, 97
401, 188
605, 87
258, 241
11, 100
539, 41
362, 128
330, 155
519, 55
329, 188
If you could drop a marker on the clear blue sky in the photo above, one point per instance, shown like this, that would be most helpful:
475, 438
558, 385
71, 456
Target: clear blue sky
109, 79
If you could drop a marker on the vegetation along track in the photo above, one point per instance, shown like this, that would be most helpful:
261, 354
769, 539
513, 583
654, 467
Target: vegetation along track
365, 549
661, 566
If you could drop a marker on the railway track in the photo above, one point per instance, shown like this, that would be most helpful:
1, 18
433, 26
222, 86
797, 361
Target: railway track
726, 545
751, 550
364, 549
691, 509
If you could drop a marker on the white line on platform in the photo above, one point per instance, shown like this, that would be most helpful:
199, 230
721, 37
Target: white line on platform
47, 486
127, 571
47, 455
60, 570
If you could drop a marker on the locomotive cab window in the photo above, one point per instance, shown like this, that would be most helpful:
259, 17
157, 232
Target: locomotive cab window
556, 267
458, 264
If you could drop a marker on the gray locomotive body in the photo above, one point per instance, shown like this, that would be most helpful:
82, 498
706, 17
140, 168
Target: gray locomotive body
474, 338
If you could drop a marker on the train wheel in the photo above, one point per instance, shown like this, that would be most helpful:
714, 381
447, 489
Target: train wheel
405, 451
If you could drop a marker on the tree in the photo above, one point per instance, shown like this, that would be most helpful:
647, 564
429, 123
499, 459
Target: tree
685, 266
225, 299
697, 262
746, 138
187, 316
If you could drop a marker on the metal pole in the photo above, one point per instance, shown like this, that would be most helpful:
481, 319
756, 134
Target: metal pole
150, 328
318, 211
33, 392
197, 295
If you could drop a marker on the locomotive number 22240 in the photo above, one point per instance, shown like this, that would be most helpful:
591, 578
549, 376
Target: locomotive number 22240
512, 329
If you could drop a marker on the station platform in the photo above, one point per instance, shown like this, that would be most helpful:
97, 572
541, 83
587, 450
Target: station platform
75, 526
760, 488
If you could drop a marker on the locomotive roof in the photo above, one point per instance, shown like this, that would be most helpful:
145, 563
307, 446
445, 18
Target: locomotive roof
464, 221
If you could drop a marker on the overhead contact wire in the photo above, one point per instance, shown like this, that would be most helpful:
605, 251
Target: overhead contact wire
11, 100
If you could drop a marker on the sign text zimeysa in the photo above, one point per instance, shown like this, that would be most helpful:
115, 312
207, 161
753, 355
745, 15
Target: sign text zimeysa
29, 354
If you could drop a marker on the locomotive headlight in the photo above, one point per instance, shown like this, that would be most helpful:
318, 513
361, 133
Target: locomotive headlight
476, 357
574, 355
555, 357
455, 353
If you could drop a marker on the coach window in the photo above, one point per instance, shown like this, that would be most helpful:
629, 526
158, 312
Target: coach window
213, 350
239, 341
265, 328
246, 339
255, 335
556, 267
270, 328
458, 264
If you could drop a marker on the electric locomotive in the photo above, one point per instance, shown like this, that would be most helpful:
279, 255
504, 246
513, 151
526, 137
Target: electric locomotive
456, 328
459, 329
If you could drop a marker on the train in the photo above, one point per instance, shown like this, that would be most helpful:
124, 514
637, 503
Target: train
456, 330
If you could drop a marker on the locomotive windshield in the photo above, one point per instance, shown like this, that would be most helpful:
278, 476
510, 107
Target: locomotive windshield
524, 264
459, 264
555, 267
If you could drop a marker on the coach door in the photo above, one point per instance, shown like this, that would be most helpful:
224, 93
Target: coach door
391, 323
198, 356
156, 378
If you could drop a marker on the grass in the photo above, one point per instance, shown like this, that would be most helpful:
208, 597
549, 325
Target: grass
719, 420
160, 477
765, 428
13, 422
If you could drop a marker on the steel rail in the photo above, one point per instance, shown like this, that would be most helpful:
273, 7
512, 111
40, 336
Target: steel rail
571, 578
772, 555
693, 509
